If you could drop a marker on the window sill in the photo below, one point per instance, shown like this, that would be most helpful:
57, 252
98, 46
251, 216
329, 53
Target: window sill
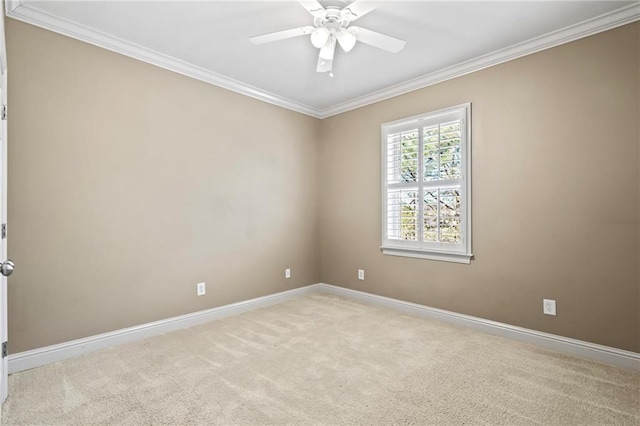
430, 255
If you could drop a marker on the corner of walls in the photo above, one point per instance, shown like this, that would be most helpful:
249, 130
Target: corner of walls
150, 184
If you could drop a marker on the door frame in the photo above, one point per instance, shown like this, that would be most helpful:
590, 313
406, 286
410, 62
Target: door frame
3, 209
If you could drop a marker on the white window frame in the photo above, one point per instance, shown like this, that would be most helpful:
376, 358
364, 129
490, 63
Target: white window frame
460, 253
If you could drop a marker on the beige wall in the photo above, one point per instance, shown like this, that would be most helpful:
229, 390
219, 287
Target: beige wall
129, 184
555, 194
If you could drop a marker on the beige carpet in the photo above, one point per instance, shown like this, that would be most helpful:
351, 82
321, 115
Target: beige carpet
324, 360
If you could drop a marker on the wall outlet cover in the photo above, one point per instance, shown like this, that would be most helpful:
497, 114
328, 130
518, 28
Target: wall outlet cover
287, 273
361, 274
201, 289
549, 307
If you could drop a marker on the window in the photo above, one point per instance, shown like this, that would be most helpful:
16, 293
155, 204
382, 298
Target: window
426, 188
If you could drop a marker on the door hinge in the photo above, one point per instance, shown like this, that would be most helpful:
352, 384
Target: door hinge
3, 112
3, 231
4, 349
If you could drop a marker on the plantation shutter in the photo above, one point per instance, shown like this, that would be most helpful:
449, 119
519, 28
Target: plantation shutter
403, 165
424, 182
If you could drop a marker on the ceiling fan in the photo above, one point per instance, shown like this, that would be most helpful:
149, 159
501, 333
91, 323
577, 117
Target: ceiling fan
331, 26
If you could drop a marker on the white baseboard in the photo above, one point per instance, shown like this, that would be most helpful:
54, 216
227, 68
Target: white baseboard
38, 357
41, 356
606, 354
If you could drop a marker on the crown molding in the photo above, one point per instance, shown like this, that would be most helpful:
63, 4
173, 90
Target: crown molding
592, 26
18, 9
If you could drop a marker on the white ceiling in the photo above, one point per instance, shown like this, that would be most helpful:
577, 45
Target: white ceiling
212, 39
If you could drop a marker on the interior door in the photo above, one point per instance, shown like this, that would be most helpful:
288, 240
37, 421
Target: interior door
6, 267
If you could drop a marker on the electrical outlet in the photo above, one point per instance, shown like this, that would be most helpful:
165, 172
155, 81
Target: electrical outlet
201, 289
287, 273
549, 307
361, 274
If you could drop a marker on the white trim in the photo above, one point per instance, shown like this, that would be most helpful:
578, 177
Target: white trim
606, 354
17, 9
42, 356
448, 256
592, 26
12, 5
4, 369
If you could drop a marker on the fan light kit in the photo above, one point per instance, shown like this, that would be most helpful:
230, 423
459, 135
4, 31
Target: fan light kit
331, 27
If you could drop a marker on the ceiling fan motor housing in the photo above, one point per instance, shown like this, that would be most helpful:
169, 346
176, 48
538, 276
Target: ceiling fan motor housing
333, 20
331, 27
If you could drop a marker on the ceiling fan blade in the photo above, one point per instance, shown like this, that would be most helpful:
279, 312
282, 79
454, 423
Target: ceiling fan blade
281, 35
313, 7
358, 9
379, 40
